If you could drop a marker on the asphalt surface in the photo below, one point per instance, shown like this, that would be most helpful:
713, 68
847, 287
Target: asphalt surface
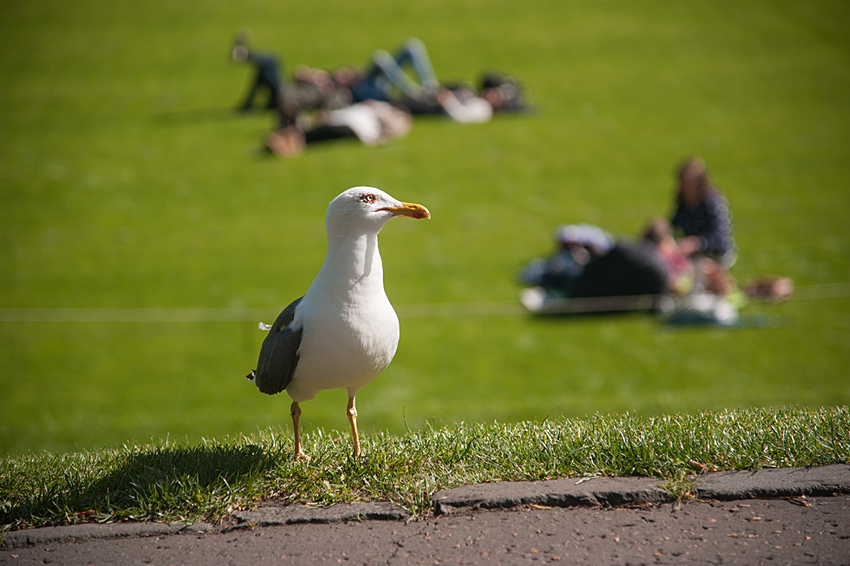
774, 516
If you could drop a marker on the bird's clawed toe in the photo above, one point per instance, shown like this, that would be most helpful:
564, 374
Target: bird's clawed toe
301, 456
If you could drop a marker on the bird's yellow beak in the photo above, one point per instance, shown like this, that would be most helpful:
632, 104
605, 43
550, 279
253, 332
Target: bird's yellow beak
410, 210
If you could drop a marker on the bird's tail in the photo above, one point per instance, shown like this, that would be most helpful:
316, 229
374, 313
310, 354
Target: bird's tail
252, 376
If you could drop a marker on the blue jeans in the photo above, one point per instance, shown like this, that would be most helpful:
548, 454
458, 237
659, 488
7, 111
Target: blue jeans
386, 74
268, 77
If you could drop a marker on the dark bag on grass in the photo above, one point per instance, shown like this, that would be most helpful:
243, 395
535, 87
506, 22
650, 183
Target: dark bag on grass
627, 269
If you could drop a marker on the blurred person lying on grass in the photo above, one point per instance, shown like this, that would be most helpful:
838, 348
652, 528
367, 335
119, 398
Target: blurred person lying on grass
371, 122
591, 263
385, 78
376, 106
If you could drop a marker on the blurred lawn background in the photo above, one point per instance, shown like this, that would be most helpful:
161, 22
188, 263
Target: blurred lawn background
127, 182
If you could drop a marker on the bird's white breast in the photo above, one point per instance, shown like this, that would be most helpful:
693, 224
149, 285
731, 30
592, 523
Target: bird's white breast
343, 345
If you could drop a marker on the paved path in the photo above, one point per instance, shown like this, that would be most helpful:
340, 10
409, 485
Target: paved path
804, 520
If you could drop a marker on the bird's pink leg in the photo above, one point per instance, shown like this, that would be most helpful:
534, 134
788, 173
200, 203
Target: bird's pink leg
295, 411
352, 418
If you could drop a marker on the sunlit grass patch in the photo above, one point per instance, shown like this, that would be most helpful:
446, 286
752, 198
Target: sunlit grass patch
166, 482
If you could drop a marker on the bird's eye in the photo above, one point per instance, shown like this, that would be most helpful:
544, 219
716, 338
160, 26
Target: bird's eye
368, 198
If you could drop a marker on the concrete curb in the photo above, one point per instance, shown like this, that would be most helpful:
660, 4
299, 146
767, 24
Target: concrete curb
568, 492
776, 482
594, 491
294, 514
766, 483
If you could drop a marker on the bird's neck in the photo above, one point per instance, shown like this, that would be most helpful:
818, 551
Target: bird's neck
352, 266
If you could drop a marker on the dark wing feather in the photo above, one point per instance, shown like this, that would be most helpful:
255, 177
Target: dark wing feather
279, 354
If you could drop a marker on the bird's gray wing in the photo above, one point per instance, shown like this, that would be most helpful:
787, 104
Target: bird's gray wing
279, 353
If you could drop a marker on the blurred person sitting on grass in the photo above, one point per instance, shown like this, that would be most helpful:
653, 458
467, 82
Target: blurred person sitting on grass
703, 290
268, 73
702, 219
686, 274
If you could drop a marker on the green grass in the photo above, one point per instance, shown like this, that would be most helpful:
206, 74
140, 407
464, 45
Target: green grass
126, 182
168, 482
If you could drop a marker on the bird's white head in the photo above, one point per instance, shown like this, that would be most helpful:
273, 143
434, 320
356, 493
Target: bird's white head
368, 209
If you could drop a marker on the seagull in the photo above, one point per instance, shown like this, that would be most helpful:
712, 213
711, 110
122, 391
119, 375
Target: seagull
343, 332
